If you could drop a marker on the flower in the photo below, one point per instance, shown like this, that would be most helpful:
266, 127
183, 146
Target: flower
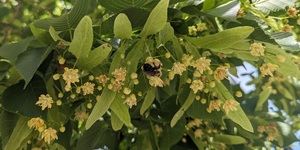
230, 105
198, 133
120, 74
102, 79
116, 85
272, 132
238, 94
201, 26
134, 75
156, 81
131, 100
178, 68
240, 13
220, 73
196, 86
267, 69
192, 30
257, 49
187, 59
88, 88
127, 91
158, 130
37, 124
81, 116
45, 101
202, 64
49, 134
261, 129
292, 11
214, 105
70, 76
287, 28
280, 58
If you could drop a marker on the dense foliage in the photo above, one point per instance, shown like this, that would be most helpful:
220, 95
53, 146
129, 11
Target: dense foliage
155, 74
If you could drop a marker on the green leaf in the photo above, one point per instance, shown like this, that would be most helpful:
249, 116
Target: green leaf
238, 116
230, 139
122, 27
53, 34
156, 20
29, 61
12, 51
274, 5
116, 123
190, 99
208, 4
101, 107
120, 5
83, 38
171, 135
42, 35
121, 109
66, 21
223, 39
22, 101
8, 123
20, 133
149, 98
263, 97
98, 136
226, 11
95, 57
135, 55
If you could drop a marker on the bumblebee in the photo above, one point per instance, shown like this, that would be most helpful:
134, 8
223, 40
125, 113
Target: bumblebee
152, 67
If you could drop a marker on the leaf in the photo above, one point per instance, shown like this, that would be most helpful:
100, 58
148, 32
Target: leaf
29, 61
95, 57
8, 123
286, 40
120, 5
223, 39
120, 109
122, 27
135, 55
98, 136
171, 135
101, 107
208, 4
274, 5
238, 116
66, 21
20, 133
53, 34
41, 35
263, 97
83, 38
22, 101
116, 123
230, 139
156, 20
12, 51
149, 98
190, 99
227, 11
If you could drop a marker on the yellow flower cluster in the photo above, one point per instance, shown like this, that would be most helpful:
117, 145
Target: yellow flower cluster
45, 101
81, 116
267, 69
220, 73
70, 76
257, 49
131, 100
88, 88
271, 131
192, 30
292, 11
118, 81
228, 105
38, 124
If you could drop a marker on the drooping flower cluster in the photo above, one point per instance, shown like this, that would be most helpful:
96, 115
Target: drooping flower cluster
131, 100
88, 88
38, 124
118, 81
292, 11
267, 69
81, 116
271, 131
220, 73
228, 105
257, 49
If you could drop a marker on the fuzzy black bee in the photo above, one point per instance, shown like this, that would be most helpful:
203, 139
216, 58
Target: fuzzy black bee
152, 67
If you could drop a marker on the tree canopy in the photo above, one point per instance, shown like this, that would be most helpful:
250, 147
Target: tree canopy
154, 74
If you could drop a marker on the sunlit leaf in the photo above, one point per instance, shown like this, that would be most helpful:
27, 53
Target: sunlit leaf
95, 57
223, 39
263, 97
230, 139
226, 11
148, 100
122, 27
156, 20
116, 123
120, 109
83, 38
